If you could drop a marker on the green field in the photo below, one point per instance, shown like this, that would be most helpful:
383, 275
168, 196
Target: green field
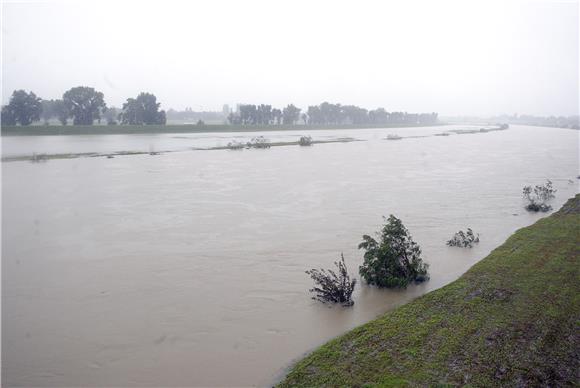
512, 320
54, 130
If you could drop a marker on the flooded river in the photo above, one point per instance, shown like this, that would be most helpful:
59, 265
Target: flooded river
187, 268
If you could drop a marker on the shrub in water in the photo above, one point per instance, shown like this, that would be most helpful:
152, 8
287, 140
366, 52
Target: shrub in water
259, 142
333, 287
465, 240
236, 145
395, 259
538, 197
305, 141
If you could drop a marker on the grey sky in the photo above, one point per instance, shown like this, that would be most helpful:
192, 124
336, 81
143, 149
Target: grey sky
452, 57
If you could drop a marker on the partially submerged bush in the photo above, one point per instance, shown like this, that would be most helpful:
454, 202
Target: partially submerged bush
305, 141
235, 145
394, 260
465, 240
538, 196
332, 287
259, 142
37, 158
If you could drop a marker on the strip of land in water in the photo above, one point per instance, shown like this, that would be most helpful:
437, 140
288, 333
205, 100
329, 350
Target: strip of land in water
511, 320
56, 130
46, 157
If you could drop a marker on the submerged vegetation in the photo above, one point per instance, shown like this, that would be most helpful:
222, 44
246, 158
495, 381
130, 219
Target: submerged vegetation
333, 287
511, 320
464, 239
305, 141
537, 197
236, 145
395, 259
258, 142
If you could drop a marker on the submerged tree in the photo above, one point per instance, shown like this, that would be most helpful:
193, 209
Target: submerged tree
395, 259
333, 287
538, 196
258, 142
305, 141
236, 145
464, 239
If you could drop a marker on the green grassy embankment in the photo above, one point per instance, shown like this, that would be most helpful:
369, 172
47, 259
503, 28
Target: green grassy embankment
56, 130
512, 320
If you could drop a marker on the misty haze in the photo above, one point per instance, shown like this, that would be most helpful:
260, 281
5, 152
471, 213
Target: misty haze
324, 193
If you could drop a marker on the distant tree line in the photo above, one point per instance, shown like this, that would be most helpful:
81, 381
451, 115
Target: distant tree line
572, 122
324, 114
190, 116
262, 114
85, 105
82, 104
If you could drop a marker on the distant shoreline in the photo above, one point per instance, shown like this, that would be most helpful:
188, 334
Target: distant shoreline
60, 130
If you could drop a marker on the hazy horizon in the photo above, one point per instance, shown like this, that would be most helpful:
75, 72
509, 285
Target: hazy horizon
454, 58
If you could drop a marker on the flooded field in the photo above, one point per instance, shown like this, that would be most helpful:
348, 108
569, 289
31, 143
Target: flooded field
187, 268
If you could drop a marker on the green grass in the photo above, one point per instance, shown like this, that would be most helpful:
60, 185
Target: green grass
512, 320
55, 130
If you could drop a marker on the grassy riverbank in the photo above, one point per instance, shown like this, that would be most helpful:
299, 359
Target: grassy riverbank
511, 320
56, 130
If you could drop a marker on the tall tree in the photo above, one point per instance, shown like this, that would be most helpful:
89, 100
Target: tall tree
264, 114
23, 108
315, 115
277, 115
290, 114
249, 114
143, 110
84, 104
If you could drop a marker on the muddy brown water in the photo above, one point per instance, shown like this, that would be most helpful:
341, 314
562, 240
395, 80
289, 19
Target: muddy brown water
187, 268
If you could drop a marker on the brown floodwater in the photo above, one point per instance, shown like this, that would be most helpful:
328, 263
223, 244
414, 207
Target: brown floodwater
187, 268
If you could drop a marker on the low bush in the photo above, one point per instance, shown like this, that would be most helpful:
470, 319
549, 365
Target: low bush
259, 142
395, 259
305, 141
333, 287
235, 145
538, 196
464, 240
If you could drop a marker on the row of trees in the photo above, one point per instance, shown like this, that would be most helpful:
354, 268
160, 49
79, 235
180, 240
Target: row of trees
84, 105
325, 113
262, 114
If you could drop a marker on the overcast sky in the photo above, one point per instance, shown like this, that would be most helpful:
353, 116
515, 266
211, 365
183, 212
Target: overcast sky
452, 57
